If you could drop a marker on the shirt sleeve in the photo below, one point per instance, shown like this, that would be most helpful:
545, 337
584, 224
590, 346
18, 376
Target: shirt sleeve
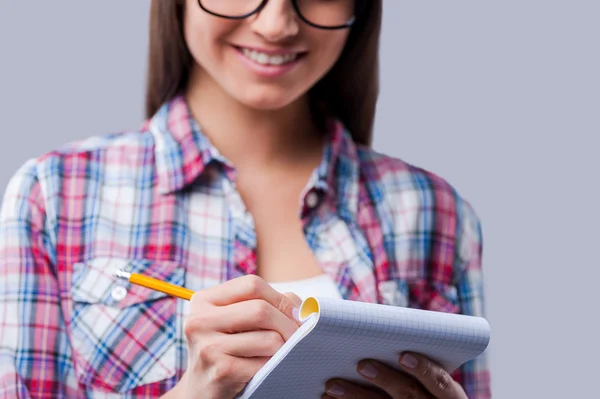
35, 356
474, 375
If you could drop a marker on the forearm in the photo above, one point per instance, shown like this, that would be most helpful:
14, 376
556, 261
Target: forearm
178, 391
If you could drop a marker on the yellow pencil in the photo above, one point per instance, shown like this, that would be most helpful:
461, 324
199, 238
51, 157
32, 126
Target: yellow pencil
155, 284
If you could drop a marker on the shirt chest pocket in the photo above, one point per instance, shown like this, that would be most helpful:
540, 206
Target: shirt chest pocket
123, 336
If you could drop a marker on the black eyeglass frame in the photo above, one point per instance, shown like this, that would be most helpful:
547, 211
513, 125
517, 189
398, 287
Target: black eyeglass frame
263, 3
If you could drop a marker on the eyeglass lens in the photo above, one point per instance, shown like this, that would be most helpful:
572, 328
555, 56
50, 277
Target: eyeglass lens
326, 13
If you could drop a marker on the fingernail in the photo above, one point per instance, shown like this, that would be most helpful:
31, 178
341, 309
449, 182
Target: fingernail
336, 390
296, 314
368, 370
409, 361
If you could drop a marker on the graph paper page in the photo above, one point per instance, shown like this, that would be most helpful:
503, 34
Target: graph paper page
331, 343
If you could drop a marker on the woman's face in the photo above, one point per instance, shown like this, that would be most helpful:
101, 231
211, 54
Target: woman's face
265, 61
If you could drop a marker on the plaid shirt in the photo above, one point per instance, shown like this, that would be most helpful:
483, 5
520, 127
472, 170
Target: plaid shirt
162, 201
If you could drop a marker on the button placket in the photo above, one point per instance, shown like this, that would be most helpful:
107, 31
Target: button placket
312, 199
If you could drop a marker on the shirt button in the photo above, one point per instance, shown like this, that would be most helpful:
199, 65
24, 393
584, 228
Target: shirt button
119, 293
312, 199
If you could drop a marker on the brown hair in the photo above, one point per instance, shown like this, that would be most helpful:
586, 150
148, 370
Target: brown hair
349, 91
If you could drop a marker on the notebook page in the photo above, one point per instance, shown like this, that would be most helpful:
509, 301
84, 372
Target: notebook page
347, 331
282, 353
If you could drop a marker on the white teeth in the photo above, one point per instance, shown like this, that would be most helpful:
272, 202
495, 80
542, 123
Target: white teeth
267, 59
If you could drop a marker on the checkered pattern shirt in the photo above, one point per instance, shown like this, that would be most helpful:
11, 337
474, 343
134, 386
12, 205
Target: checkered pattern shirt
162, 201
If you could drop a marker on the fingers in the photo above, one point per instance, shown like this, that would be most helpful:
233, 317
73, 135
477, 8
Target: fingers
243, 289
232, 330
227, 374
250, 315
249, 344
432, 376
294, 298
395, 383
347, 390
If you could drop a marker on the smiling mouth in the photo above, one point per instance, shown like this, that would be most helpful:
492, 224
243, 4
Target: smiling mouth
269, 59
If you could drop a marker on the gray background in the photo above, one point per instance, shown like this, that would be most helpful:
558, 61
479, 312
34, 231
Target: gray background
501, 98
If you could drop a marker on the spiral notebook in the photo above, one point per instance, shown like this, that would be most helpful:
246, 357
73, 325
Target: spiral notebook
337, 333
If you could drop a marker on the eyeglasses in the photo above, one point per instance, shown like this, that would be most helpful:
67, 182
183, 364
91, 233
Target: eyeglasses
323, 14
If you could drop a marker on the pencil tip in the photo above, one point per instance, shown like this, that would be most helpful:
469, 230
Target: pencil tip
122, 274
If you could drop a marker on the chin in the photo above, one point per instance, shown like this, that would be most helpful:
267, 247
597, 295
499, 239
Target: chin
266, 98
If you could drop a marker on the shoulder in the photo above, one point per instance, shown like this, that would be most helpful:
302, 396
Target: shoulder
395, 176
80, 163
414, 199
117, 149
113, 148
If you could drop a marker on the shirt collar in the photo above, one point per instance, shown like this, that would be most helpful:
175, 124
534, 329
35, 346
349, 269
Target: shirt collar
338, 174
182, 152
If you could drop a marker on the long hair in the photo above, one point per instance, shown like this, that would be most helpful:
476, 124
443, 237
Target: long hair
348, 91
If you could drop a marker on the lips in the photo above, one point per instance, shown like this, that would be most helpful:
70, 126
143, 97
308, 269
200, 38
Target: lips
269, 63
270, 57
267, 59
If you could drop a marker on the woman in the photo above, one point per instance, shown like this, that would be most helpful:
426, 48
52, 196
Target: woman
252, 177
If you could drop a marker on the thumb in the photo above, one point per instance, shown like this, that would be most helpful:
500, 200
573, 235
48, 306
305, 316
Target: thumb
294, 298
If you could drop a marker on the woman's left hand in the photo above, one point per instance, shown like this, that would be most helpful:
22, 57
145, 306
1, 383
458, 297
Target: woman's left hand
422, 379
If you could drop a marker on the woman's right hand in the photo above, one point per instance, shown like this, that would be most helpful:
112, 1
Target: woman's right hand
232, 330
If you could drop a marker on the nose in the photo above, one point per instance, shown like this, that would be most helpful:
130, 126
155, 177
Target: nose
276, 21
